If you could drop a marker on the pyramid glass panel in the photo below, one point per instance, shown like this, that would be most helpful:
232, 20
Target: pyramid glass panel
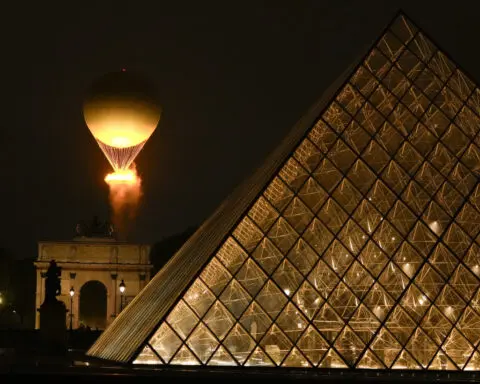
295, 359
370, 361
259, 358
256, 321
332, 360
386, 347
469, 324
421, 347
436, 325
165, 343
303, 257
308, 155
185, 357
202, 343
473, 363
219, 320
276, 344
474, 101
148, 357
364, 323
221, 358
442, 362
358, 247
313, 345
406, 361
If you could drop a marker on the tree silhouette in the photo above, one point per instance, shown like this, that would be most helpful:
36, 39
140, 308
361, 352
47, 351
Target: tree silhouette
164, 249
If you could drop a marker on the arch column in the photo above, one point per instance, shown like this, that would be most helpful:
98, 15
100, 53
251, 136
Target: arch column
112, 298
76, 308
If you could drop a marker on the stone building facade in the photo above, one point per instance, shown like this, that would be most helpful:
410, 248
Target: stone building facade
101, 263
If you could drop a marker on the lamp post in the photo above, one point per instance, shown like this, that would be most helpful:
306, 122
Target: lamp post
122, 288
72, 293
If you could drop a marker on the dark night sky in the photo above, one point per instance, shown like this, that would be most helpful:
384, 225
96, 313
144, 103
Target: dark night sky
233, 77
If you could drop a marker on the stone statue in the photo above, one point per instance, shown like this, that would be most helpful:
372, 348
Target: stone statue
53, 324
52, 282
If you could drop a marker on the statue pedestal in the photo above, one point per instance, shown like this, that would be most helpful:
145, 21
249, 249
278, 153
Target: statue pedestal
53, 327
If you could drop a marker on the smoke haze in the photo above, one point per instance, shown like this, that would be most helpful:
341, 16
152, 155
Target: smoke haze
124, 199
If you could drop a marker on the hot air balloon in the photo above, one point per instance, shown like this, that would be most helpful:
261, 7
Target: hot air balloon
121, 111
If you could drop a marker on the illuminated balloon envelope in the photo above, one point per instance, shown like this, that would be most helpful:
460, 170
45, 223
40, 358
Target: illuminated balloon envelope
121, 112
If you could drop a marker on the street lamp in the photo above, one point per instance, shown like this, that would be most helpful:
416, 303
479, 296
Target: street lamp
72, 293
122, 288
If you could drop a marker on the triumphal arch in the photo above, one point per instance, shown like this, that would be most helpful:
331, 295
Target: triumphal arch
100, 275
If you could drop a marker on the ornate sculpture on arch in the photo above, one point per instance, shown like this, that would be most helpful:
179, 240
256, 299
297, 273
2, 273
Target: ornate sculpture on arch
95, 228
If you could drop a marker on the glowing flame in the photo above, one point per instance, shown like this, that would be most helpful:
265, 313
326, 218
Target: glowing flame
122, 177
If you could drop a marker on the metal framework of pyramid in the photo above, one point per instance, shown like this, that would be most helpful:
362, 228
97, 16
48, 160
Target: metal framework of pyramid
355, 246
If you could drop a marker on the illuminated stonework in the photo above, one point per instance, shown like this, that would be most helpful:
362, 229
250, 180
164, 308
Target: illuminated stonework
362, 248
88, 259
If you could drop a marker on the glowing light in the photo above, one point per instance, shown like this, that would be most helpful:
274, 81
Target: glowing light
287, 292
407, 269
147, 361
123, 177
435, 227
122, 122
121, 112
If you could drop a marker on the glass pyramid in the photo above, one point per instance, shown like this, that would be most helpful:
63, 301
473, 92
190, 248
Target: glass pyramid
363, 251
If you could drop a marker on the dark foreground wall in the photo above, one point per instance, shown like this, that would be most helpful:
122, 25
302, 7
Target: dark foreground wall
21, 358
224, 375
27, 347
81, 339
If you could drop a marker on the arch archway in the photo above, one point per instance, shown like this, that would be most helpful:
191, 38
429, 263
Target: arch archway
93, 305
